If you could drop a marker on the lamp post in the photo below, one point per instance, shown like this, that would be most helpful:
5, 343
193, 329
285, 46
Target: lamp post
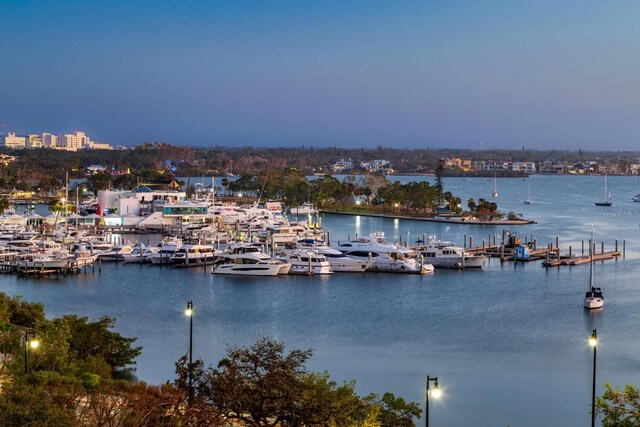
593, 342
33, 343
189, 313
436, 394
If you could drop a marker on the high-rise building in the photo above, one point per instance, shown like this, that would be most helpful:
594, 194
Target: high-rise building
49, 140
11, 140
73, 141
34, 140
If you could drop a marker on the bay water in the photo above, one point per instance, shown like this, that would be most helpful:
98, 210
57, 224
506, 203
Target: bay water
508, 343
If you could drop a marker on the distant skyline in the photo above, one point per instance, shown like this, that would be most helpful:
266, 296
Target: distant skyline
506, 74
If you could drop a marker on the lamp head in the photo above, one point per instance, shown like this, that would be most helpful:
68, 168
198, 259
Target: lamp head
593, 341
436, 392
34, 343
189, 310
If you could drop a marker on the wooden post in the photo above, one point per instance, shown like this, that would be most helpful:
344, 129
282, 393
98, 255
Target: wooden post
535, 244
483, 246
624, 248
583, 248
471, 242
570, 255
558, 244
465, 241
616, 245
602, 247
328, 237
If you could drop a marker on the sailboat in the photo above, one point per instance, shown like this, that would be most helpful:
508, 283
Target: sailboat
527, 201
495, 186
607, 196
594, 298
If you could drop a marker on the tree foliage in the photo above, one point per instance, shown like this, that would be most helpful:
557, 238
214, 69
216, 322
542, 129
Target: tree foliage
619, 408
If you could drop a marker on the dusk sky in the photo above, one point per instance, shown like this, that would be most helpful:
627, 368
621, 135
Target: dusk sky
539, 74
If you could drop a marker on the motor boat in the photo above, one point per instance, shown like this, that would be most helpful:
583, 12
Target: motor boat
306, 262
247, 260
167, 248
339, 262
636, 198
306, 208
446, 255
116, 253
140, 254
193, 255
387, 257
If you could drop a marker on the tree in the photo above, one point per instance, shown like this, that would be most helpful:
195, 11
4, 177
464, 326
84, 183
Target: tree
439, 186
619, 408
259, 385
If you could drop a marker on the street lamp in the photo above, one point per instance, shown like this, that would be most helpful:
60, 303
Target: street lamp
593, 342
189, 313
436, 394
33, 343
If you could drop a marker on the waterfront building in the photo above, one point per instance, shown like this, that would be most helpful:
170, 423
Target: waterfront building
11, 140
342, 166
377, 166
523, 167
551, 168
456, 162
136, 201
495, 165
609, 168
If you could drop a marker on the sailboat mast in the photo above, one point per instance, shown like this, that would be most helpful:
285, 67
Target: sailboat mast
591, 243
605, 188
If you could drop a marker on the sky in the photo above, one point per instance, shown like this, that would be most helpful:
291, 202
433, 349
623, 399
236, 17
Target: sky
407, 74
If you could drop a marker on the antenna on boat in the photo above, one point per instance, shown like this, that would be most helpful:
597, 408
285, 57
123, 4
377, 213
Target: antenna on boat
264, 184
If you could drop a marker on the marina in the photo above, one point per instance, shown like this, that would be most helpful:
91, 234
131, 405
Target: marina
470, 326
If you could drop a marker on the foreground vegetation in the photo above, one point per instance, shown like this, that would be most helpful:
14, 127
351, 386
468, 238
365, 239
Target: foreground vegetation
75, 380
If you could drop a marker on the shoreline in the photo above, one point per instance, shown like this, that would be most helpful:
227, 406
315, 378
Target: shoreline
449, 220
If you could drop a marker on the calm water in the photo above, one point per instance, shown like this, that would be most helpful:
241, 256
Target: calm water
508, 343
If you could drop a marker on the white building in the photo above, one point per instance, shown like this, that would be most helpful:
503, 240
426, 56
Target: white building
49, 140
11, 140
34, 140
377, 166
132, 202
73, 141
495, 165
524, 167
342, 166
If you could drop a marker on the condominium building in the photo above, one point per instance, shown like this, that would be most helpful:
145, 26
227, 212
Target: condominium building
523, 167
11, 140
49, 140
73, 141
34, 140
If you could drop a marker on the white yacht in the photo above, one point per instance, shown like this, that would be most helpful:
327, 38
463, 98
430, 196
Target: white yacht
116, 253
140, 254
43, 260
385, 256
306, 208
306, 262
247, 260
340, 263
193, 255
446, 255
166, 251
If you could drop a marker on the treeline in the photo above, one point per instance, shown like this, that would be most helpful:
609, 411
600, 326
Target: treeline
35, 165
73, 377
